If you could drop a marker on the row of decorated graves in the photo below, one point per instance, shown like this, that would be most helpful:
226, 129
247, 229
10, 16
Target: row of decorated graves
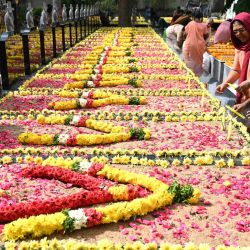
118, 145
22, 54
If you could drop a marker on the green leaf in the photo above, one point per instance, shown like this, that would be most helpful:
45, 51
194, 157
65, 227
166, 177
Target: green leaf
134, 101
133, 82
181, 193
76, 166
68, 119
137, 133
68, 223
133, 69
55, 140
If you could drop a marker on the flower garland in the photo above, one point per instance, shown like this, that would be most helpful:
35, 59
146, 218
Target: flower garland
81, 121
69, 220
95, 103
96, 191
107, 244
99, 81
99, 94
174, 158
117, 134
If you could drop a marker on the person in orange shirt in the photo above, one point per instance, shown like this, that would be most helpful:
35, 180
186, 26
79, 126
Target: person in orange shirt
240, 35
195, 44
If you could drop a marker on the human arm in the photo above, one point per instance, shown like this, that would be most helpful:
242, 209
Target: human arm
231, 78
241, 106
244, 86
233, 75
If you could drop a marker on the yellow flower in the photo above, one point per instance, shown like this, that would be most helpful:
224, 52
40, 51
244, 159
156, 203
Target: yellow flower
28, 159
246, 161
230, 163
164, 163
187, 161
204, 246
183, 118
191, 118
155, 119
135, 118
175, 119
134, 160
105, 244
30, 117
176, 162
227, 183
38, 160
151, 163
151, 246
220, 163
144, 161
20, 117
19, 159
6, 159
190, 246
196, 196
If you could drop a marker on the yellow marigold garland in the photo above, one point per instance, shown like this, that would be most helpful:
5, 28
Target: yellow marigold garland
95, 103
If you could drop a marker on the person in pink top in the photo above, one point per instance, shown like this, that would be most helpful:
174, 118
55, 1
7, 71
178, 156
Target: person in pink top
240, 36
195, 44
223, 34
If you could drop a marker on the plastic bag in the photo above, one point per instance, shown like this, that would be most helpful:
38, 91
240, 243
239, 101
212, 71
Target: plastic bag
206, 62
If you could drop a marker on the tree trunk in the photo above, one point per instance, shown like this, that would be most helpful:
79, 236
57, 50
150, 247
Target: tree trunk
124, 12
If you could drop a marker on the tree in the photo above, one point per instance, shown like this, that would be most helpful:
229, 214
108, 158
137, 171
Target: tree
124, 13
240, 6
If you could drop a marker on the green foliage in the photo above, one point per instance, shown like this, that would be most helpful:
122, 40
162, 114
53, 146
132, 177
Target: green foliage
181, 193
68, 120
68, 224
133, 69
131, 60
137, 133
242, 5
55, 140
109, 5
22, 13
76, 166
133, 82
37, 12
128, 53
134, 101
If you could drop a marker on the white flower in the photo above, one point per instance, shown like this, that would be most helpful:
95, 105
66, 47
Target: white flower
63, 138
80, 218
82, 102
90, 84
93, 77
96, 71
75, 120
84, 166
85, 94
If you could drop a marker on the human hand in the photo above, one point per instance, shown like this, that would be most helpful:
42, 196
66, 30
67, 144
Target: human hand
239, 107
220, 88
243, 87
